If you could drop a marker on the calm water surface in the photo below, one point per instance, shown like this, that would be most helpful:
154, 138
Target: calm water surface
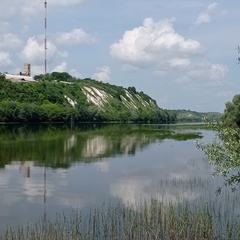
46, 170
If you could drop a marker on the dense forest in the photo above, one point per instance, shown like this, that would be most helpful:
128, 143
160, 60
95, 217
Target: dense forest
58, 97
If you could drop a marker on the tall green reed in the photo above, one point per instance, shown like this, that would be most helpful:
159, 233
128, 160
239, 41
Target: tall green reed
147, 220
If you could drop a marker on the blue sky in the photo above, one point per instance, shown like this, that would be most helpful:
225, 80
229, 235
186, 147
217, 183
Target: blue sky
181, 53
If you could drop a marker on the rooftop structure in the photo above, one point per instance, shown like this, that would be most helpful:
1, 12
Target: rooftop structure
18, 78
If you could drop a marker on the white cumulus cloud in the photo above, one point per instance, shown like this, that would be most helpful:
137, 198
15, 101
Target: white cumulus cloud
73, 72
211, 73
153, 42
34, 49
157, 46
218, 71
5, 59
29, 9
61, 68
75, 36
102, 74
180, 62
205, 16
9, 41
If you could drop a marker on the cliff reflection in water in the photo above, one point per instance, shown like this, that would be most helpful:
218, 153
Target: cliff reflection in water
59, 146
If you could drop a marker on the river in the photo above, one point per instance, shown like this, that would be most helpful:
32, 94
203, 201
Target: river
50, 169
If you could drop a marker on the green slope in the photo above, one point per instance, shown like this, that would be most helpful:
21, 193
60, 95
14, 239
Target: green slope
58, 97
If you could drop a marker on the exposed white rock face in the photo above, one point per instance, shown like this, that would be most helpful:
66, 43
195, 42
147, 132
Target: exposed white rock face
128, 104
70, 101
132, 103
96, 96
100, 98
144, 103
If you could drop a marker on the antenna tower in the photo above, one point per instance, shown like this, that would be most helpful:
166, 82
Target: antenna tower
45, 40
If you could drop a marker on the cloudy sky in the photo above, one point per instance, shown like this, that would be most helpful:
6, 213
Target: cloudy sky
181, 53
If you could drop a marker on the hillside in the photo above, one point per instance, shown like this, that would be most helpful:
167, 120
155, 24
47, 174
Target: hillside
193, 116
58, 97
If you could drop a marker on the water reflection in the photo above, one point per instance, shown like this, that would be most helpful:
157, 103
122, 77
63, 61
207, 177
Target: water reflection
46, 170
55, 146
172, 172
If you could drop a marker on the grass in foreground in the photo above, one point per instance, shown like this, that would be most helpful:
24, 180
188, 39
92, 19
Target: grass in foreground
146, 221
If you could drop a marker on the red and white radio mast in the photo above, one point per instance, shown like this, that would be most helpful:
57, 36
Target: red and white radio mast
45, 40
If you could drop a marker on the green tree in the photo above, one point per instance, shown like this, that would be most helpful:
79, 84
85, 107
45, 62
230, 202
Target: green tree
29, 112
61, 76
132, 89
231, 116
224, 153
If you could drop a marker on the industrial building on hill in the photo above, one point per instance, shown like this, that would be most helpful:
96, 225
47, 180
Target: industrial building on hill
24, 76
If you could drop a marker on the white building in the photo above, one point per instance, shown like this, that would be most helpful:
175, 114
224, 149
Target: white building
21, 77
18, 78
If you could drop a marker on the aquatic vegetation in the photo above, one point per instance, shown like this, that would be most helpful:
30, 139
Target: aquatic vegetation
154, 220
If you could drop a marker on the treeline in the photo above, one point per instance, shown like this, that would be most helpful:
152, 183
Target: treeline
183, 115
47, 100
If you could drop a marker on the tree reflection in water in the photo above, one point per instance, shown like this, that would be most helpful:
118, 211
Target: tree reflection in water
59, 146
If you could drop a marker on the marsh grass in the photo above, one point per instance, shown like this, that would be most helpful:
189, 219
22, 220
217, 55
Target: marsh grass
147, 220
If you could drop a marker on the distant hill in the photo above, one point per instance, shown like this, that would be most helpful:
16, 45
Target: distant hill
58, 97
193, 116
